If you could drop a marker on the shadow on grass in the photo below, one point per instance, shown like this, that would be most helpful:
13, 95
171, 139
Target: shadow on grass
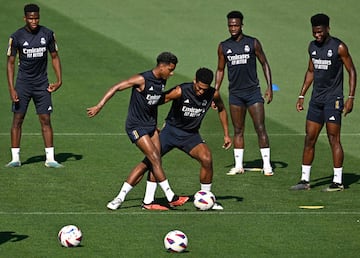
9, 236
348, 179
258, 163
60, 157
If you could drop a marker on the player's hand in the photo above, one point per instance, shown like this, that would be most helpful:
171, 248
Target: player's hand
53, 87
213, 105
13, 95
348, 106
300, 105
227, 142
268, 96
93, 111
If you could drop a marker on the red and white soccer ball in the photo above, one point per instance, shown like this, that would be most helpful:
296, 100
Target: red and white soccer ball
70, 236
175, 241
204, 200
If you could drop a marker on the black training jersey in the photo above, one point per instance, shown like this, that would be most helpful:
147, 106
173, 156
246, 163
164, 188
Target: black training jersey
188, 111
328, 70
143, 106
32, 48
240, 58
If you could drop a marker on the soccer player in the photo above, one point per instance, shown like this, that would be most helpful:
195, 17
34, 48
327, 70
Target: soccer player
240, 53
327, 56
146, 94
190, 102
32, 43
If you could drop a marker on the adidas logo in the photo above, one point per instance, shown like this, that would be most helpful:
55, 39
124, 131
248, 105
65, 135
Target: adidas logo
187, 101
332, 118
49, 108
151, 88
26, 44
228, 51
313, 53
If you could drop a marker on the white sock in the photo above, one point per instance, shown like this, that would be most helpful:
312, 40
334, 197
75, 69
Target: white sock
338, 175
206, 187
49, 154
167, 190
305, 173
150, 192
265, 154
125, 189
239, 155
15, 153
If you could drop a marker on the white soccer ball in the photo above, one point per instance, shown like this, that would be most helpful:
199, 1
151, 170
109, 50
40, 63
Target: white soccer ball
176, 241
70, 236
204, 200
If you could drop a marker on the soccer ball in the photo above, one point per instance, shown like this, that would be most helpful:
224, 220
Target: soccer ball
176, 241
204, 200
70, 236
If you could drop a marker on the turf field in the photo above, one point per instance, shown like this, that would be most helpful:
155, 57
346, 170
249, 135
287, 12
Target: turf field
102, 42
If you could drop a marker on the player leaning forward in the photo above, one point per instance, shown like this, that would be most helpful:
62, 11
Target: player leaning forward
327, 56
32, 43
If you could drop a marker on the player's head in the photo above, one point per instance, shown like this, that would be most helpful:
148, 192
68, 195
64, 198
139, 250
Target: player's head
320, 19
235, 23
320, 27
235, 15
204, 75
31, 8
203, 79
32, 17
166, 64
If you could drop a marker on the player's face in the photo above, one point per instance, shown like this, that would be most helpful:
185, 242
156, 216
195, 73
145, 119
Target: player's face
320, 33
167, 70
235, 27
200, 88
32, 20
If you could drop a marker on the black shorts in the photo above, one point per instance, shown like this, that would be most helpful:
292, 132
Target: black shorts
247, 99
136, 133
172, 137
330, 112
39, 94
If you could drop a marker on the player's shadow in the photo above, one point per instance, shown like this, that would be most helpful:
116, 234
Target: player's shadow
60, 157
348, 180
9, 236
258, 163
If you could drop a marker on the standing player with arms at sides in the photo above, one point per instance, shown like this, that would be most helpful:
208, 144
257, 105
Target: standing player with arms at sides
147, 93
32, 43
190, 102
327, 56
240, 53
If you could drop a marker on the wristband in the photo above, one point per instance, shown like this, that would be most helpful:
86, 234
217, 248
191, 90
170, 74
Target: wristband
301, 97
351, 97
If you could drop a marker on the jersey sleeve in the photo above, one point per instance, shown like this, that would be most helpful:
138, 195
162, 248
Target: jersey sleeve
52, 43
12, 47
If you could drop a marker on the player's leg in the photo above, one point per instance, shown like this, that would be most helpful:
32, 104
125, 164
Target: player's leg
257, 114
238, 114
16, 131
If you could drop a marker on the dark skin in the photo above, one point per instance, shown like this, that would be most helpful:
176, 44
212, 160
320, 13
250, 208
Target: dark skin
313, 129
31, 24
256, 111
201, 152
148, 145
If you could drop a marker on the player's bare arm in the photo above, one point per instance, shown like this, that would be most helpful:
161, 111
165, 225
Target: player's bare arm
137, 80
223, 119
172, 94
350, 68
309, 77
10, 77
219, 76
58, 72
266, 69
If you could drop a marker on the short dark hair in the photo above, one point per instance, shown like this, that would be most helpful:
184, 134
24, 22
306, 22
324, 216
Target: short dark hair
320, 19
204, 75
166, 58
31, 8
235, 15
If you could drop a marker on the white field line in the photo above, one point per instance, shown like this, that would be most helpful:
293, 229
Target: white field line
223, 213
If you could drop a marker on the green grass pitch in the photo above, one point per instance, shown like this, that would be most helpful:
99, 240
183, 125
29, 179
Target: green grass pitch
102, 42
